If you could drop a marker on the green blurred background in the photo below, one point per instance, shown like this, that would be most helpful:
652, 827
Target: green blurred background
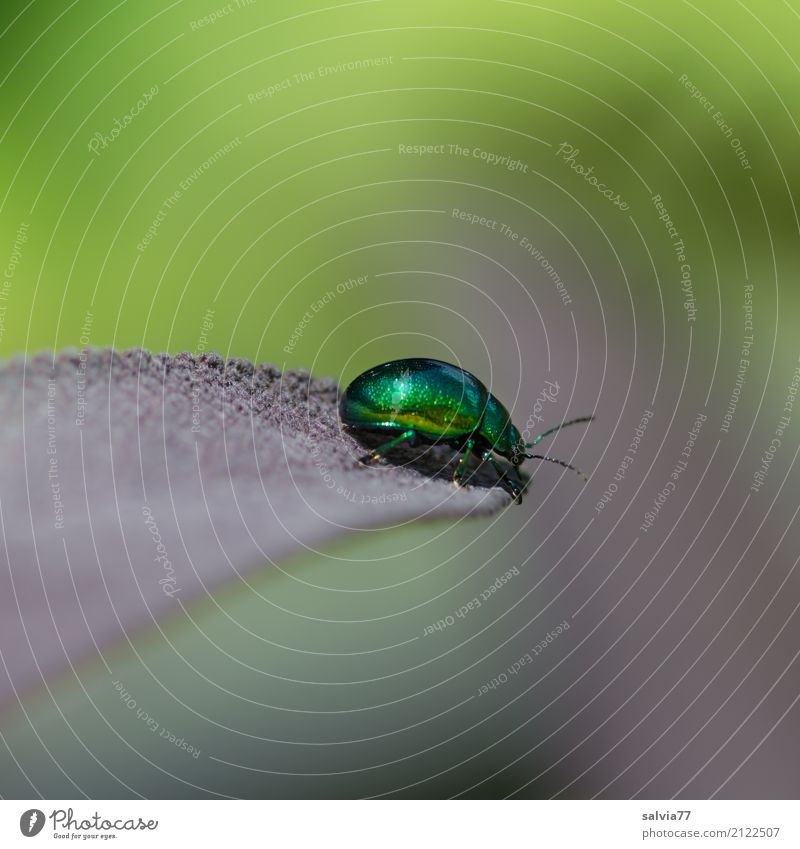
272, 155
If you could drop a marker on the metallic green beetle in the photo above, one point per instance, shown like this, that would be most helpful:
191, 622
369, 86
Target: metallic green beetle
433, 401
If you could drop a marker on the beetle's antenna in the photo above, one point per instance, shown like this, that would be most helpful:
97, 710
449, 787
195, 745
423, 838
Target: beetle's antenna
541, 436
559, 462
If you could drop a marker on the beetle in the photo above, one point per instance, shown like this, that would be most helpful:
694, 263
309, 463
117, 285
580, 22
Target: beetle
431, 401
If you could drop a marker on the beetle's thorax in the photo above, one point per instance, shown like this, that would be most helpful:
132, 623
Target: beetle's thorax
497, 428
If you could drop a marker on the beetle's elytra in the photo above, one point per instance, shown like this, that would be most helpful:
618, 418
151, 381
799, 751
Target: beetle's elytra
432, 401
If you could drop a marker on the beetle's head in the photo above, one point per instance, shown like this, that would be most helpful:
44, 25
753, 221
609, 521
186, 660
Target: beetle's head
518, 453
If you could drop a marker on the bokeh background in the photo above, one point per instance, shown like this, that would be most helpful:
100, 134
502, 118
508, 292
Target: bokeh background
602, 195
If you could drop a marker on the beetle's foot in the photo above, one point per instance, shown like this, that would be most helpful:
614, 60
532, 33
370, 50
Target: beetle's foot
462, 477
513, 490
368, 459
459, 481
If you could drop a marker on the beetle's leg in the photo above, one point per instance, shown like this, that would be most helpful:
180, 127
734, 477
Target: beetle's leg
514, 487
462, 463
407, 436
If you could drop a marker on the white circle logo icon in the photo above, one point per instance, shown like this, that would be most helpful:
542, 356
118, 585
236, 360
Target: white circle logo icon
31, 822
